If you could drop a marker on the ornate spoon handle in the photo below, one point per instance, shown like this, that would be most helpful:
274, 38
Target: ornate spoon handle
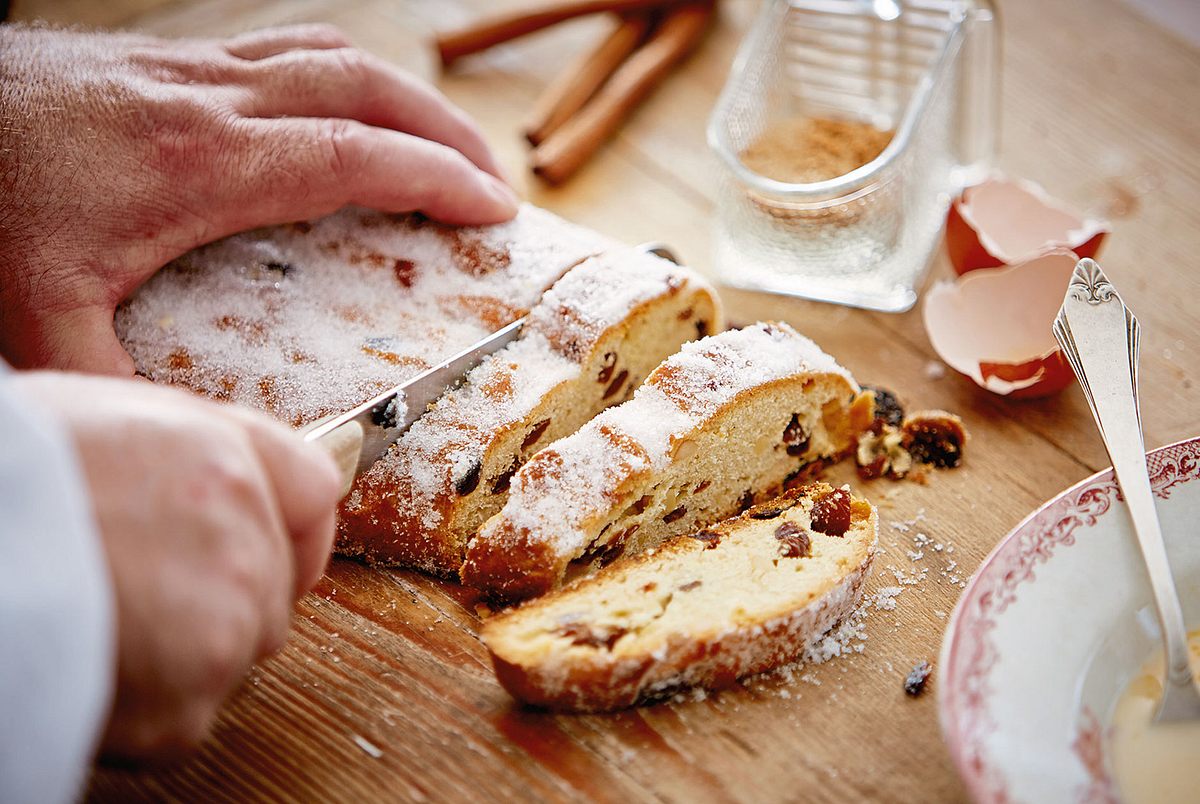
1099, 336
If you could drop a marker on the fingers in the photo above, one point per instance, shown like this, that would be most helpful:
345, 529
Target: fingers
263, 44
304, 168
307, 488
353, 85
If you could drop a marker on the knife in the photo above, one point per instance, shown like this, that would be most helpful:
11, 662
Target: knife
360, 436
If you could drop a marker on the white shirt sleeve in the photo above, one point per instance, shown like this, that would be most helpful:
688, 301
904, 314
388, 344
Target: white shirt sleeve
56, 611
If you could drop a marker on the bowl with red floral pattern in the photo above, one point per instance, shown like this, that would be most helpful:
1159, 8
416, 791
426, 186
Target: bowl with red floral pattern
1053, 626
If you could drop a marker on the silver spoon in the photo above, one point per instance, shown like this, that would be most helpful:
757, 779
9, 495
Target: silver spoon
1099, 336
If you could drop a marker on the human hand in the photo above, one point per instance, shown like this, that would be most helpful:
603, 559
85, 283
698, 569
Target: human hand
121, 152
214, 519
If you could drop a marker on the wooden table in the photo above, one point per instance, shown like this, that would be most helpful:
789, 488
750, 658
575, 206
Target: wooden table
384, 690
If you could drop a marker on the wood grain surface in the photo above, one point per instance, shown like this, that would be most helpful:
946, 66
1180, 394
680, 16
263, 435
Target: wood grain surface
384, 691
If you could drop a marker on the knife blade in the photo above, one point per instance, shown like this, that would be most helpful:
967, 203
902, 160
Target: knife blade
360, 436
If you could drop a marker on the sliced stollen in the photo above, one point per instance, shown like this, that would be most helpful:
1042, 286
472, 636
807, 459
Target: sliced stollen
312, 318
591, 340
702, 610
727, 420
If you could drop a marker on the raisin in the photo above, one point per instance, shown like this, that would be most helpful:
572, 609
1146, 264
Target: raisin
650, 587
614, 548
282, 268
584, 634
701, 328
537, 432
795, 437
607, 368
793, 541
470, 481
639, 505
710, 538
746, 500
772, 509
887, 406
687, 587
831, 513
935, 438
504, 480
675, 515
384, 414
705, 484
914, 683
616, 384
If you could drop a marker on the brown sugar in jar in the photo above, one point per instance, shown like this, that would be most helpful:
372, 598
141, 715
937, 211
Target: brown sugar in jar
811, 149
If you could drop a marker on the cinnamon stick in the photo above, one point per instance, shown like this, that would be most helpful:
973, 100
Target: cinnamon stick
567, 94
453, 46
565, 151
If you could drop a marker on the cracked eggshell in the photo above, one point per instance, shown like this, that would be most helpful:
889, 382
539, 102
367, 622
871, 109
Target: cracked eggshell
1004, 221
995, 326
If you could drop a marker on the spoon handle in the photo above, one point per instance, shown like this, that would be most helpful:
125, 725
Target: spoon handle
1099, 335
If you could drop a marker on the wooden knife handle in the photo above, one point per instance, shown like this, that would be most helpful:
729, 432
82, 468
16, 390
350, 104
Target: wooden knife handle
344, 445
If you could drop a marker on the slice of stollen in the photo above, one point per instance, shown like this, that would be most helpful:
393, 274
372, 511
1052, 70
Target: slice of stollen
730, 419
702, 610
586, 345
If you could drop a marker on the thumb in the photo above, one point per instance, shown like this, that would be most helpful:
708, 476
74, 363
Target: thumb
82, 339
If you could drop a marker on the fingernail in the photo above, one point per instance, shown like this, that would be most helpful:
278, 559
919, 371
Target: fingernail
502, 192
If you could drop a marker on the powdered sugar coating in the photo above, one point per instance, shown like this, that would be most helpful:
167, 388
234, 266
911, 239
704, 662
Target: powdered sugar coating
600, 293
311, 318
448, 442
555, 495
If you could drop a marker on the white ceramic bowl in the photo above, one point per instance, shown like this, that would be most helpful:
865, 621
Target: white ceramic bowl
1052, 626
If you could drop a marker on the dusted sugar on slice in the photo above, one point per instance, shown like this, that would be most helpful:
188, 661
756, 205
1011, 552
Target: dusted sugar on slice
702, 610
729, 419
313, 318
592, 339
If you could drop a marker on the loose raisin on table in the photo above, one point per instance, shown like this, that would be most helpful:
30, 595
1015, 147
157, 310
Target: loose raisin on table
831, 513
887, 406
914, 684
935, 438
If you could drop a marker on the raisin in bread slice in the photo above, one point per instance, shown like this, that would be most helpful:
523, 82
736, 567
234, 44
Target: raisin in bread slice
591, 340
702, 610
311, 318
729, 419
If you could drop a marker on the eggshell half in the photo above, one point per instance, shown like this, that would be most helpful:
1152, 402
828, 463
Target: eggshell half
995, 326
1005, 221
